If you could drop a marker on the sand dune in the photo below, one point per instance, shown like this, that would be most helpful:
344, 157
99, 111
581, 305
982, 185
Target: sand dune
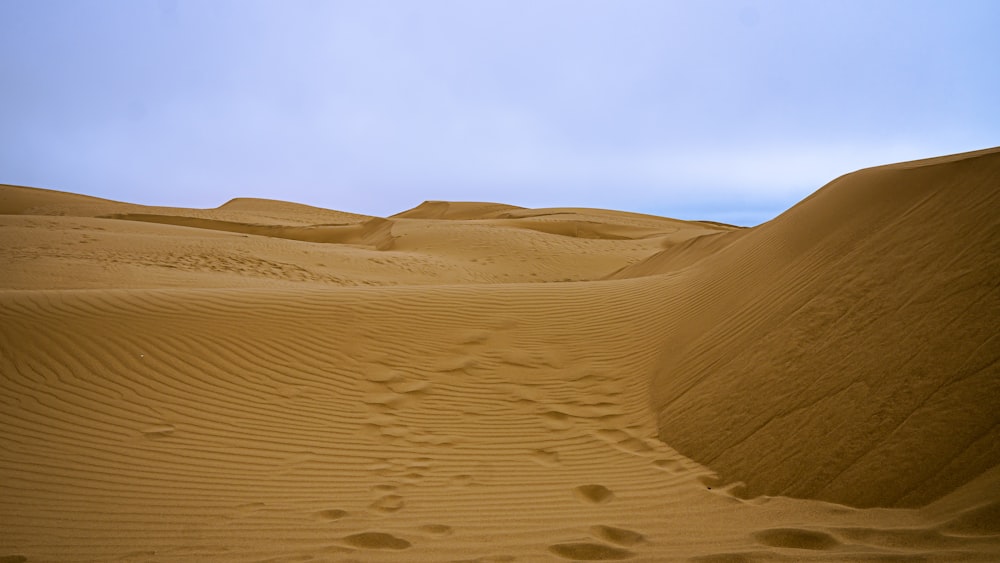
848, 350
455, 210
268, 381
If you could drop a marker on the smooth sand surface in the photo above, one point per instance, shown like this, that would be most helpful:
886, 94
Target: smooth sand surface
269, 381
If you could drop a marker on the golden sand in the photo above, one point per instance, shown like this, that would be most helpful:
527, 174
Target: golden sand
269, 381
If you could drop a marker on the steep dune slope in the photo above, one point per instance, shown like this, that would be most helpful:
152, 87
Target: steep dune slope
848, 350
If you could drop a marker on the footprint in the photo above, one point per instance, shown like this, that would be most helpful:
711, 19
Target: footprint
384, 375
412, 477
388, 503
589, 551
474, 337
796, 538
557, 420
545, 458
377, 540
619, 536
588, 377
595, 494
422, 463
331, 514
436, 530
402, 470
520, 358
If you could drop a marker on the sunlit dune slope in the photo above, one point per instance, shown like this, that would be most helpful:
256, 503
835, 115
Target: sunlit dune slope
847, 350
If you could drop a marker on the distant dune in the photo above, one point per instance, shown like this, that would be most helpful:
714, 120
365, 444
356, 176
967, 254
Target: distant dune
270, 381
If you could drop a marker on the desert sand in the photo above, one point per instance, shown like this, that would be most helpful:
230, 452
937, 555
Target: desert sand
269, 381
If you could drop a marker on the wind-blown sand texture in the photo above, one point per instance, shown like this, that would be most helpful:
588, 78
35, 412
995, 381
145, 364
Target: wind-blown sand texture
268, 381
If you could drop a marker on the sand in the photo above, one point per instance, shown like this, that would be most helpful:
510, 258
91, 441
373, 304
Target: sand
269, 381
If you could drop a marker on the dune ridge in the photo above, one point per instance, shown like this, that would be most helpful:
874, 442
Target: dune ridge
262, 382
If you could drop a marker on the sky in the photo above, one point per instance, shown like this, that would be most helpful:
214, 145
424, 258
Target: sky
730, 111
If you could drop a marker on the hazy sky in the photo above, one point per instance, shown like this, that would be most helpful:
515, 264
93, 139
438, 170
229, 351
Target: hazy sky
724, 110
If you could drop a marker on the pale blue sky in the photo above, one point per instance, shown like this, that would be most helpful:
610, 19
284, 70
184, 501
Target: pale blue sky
722, 110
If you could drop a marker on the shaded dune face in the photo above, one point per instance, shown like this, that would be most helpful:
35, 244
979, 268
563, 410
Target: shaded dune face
848, 350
